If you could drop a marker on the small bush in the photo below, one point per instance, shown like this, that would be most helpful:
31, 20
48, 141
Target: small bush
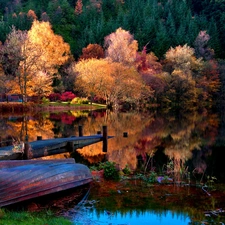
78, 100
111, 172
45, 100
127, 170
54, 97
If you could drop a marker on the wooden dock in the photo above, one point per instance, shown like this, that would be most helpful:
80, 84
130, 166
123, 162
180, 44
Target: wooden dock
48, 147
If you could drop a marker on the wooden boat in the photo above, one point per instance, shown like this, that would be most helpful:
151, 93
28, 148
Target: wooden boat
22, 180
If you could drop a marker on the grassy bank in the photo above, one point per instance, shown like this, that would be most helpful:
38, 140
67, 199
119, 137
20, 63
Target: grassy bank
17, 107
28, 218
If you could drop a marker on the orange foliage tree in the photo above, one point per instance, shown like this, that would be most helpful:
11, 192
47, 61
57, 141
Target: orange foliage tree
34, 53
208, 81
93, 76
92, 51
110, 80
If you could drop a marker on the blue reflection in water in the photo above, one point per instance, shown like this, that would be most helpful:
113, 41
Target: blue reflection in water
91, 217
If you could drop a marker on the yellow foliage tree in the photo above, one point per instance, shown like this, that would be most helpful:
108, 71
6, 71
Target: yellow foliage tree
182, 58
93, 76
51, 49
41, 85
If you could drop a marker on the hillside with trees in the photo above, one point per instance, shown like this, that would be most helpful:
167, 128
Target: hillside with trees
168, 53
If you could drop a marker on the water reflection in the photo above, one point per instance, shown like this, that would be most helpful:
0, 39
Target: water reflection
93, 217
162, 141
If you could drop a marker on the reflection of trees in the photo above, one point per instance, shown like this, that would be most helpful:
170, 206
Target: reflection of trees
22, 125
187, 134
178, 135
120, 149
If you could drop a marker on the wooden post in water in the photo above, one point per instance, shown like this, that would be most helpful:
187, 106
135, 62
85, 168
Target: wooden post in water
105, 139
39, 138
80, 129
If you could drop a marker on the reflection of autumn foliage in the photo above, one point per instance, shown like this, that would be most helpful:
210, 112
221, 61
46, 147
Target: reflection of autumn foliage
64, 117
120, 149
67, 119
147, 146
177, 135
17, 129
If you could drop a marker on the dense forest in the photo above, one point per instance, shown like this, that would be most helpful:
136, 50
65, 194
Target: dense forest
176, 48
157, 24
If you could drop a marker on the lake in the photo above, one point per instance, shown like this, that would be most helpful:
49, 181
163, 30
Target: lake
184, 146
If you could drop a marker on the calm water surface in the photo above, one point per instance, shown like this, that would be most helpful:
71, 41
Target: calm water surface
132, 218
184, 146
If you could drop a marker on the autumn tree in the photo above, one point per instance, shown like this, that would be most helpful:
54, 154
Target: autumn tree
40, 84
150, 70
92, 76
148, 62
78, 7
208, 81
11, 56
180, 91
92, 51
201, 46
182, 58
181, 81
128, 86
111, 80
54, 52
3, 80
31, 15
27, 55
121, 46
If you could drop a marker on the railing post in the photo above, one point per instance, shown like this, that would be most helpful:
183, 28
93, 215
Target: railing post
105, 139
26, 148
70, 146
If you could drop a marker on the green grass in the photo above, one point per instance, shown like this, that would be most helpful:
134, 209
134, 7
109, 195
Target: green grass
26, 218
96, 105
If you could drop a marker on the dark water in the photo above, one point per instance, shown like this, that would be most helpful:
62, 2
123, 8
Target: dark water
184, 146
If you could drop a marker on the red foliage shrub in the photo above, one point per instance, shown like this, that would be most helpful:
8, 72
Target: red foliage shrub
54, 97
67, 96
